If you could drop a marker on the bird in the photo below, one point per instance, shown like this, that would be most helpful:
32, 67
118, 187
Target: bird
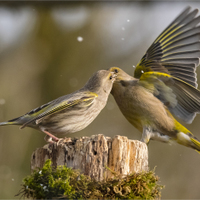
72, 112
163, 89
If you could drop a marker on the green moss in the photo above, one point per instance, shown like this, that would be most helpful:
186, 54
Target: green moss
66, 183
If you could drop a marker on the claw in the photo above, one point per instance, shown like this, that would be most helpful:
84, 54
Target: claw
62, 141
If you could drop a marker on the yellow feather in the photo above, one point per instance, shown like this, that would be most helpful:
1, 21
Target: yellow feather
169, 35
165, 32
195, 142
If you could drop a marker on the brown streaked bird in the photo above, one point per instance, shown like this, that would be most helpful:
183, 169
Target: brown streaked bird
72, 112
164, 84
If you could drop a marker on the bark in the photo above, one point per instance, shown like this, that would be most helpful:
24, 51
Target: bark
92, 154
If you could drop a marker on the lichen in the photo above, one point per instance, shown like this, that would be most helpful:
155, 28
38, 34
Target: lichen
66, 183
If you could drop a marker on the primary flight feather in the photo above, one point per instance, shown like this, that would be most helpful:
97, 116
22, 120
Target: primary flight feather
164, 84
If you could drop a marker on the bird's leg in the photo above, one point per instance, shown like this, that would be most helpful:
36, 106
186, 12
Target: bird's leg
146, 135
51, 136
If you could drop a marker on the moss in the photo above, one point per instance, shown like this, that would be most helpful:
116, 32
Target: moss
66, 183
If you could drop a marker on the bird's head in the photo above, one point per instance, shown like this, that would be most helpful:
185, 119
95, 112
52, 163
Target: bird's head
122, 80
101, 81
121, 75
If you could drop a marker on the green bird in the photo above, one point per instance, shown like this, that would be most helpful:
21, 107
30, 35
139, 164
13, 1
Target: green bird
164, 85
72, 112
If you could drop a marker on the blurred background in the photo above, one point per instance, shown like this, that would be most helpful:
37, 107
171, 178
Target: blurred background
51, 49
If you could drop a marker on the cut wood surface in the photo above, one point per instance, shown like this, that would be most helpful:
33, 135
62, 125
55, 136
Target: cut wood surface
93, 154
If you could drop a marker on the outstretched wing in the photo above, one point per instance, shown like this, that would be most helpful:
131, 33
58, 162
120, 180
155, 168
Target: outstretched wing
84, 98
176, 51
182, 99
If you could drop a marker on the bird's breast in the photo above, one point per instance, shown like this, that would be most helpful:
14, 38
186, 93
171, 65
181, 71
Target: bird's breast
71, 120
142, 108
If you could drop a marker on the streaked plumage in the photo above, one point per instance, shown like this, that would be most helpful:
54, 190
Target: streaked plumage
72, 112
164, 84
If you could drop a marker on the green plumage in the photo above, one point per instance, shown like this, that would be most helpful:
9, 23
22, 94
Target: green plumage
164, 85
72, 112
176, 50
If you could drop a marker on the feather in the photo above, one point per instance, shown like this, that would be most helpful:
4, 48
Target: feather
177, 46
62, 105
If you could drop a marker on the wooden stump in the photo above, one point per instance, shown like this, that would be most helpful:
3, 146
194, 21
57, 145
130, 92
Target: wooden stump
92, 154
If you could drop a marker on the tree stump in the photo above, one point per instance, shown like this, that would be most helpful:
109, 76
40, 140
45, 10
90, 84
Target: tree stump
93, 154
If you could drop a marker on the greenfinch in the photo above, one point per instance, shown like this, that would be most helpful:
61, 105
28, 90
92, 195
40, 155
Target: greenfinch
164, 85
72, 112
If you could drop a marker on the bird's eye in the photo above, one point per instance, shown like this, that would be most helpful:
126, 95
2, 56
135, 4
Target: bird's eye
110, 77
116, 71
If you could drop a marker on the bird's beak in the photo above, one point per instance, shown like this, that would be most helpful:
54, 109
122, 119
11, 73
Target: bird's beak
114, 75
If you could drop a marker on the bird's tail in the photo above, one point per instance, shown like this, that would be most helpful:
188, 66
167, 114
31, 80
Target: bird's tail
189, 140
4, 123
196, 142
15, 121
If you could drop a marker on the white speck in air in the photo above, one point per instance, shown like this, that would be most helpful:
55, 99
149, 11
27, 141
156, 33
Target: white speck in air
79, 38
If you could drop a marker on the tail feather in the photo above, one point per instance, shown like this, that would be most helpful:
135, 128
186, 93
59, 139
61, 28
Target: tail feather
16, 121
197, 151
189, 140
7, 123
196, 142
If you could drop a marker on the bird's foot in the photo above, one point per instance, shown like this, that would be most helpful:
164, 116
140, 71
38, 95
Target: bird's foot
51, 140
63, 140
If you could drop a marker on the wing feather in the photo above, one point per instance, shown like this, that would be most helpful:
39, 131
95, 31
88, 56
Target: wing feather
181, 98
56, 106
176, 50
